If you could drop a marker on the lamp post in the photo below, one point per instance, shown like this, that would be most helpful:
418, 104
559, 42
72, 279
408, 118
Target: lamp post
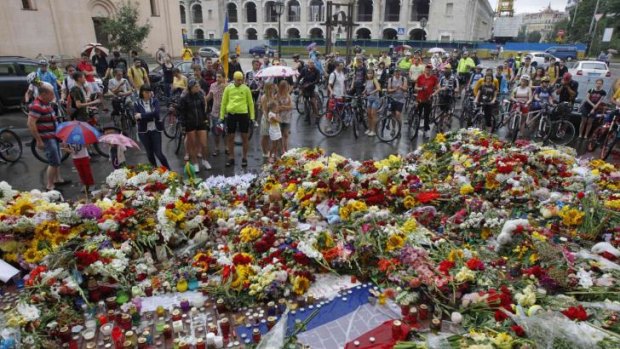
279, 8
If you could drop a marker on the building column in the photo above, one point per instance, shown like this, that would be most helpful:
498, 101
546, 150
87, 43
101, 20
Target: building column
377, 13
404, 18
189, 20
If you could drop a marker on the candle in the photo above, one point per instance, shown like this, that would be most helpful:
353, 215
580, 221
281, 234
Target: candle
225, 326
256, 335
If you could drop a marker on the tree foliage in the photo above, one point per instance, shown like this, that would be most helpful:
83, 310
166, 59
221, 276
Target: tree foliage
123, 30
534, 36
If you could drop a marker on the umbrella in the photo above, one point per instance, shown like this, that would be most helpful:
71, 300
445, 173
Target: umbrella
311, 46
612, 51
436, 50
277, 71
119, 139
89, 49
77, 132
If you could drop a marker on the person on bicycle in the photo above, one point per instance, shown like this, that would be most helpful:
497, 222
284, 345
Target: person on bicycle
404, 64
42, 125
67, 83
522, 97
476, 76
79, 98
487, 95
120, 88
397, 90
464, 67
297, 63
308, 80
371, 92
448, 84
179, 82
527, 68
591, 105
193, 109
359, 76
568, 89
501, 75
415, 71
543, 94
426, 87
238, 107
383, 74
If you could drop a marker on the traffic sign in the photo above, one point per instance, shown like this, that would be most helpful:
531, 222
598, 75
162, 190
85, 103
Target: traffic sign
598, 16
401, 31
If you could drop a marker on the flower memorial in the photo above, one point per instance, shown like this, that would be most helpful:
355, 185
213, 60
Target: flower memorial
481, 243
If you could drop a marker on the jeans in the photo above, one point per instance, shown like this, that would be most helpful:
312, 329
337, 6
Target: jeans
424, 110
167, 89
152, 144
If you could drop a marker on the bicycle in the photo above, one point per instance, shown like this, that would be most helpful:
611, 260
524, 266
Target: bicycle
171, 119
347, 113
303, 104
558, 132
479, 119
124, 119
10, 145
612, 139
443, 113
599, 134
388, 126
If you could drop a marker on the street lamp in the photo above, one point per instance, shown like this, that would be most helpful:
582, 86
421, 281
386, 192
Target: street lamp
279, 9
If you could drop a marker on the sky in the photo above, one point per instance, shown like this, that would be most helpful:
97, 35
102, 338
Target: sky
529, 6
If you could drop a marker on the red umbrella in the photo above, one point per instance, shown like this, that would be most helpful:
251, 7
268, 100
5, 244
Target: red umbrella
89, 49
77, 132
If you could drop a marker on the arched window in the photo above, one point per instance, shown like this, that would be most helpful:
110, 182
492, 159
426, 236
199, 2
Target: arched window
293, 33
251, 34
199, 34
250, 12
363, 33
271, 14
197, 14
233, 33
316, 11
232, 12
392, 10
271, 33
316, 33
364, 11
294, 10
417, 34
390, 34
182, 11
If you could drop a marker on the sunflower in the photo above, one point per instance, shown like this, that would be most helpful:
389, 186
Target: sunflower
300, 285
571, 216
31, 256
395, 241
409, 202
22, 206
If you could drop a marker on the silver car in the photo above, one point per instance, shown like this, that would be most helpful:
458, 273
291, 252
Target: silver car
208, 51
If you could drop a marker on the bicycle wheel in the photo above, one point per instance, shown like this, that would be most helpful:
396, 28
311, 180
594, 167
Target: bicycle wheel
562, 132
354, 124
102, 149
180, 138
593, 142
608, 145
330, 126
40, 153
10, 146
513, 126
170, 125
414, 125
300, 104
388, 128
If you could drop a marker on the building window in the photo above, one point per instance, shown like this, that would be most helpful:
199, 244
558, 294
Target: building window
293, 11
154, 8
232, 12
392, 11
197, 13
250, 12
210, 14
316, 11
182, 11
364, 11
449, 9
211, 36
199, 34
28, 5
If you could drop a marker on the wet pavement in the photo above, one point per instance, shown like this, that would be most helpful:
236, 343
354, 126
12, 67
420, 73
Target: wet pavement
29, 173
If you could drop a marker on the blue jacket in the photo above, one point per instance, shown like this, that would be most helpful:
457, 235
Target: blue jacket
50, 78
148, 117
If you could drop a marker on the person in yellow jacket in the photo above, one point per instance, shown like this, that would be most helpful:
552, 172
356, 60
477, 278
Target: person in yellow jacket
186, 53
480, 82
237, 108
464, 67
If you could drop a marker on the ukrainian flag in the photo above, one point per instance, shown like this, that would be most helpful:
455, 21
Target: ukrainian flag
224, 50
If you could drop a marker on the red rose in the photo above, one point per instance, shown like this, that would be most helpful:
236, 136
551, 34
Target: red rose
576, 313
475, 264
301, 258
518, 330
445, 266
580, 195
500, 315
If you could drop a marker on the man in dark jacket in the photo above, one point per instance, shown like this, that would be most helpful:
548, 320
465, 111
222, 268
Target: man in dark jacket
233, 66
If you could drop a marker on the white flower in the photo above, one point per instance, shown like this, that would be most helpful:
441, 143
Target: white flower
585, 278
28, 312
6, 192
456, 317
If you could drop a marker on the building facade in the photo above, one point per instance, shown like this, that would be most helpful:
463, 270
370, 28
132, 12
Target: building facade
543, 21
33, 27
375, 19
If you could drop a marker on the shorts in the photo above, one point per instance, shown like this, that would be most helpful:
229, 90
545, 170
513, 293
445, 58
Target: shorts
285, 127
397, 106
464, 78
240, 122
82, 165
445, 102
308, 92
374, 103
195, 125
52, 152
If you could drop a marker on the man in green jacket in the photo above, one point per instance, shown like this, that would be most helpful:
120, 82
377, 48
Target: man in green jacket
466, 64
238, 109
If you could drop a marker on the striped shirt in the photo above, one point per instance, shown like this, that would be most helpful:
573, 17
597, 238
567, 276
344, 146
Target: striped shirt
46, 118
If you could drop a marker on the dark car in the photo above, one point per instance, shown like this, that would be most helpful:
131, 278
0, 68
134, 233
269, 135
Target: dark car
186, 69
13, 85
566, 53
261, 51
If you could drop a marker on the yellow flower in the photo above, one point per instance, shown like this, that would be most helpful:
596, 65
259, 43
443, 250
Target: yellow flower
465, 274
390, 162
613, 204
242, 274
393, 190
345, 213
440, 137
533, 258
485, 233
466, 189
410, 225
249, 233
409, 202
571, 216
538, 236
291, 188
31, 256
503, 341
455, 254
395, 241
22, 206
300, 285
491, 183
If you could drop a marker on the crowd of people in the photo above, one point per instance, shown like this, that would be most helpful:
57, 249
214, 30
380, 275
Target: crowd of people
211, 102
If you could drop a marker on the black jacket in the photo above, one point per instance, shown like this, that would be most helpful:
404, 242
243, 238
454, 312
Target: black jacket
145, 117
232, 68
192, 108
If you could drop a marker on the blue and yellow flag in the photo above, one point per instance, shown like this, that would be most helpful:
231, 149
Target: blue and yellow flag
225, 49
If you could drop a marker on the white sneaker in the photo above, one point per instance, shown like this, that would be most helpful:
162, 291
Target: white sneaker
206, 164
366, 132
371, 134
196, 168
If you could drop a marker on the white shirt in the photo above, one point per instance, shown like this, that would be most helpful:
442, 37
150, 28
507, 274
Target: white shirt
113, 84
336, 80
150, 126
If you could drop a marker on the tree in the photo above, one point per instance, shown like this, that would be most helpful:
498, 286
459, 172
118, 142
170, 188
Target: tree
522, 35
123, 31
534, 36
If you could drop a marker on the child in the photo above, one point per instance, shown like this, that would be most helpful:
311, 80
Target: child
117, 152
81, 161
275, 133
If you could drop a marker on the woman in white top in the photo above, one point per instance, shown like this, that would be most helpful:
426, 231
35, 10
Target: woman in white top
522, 97
285, 103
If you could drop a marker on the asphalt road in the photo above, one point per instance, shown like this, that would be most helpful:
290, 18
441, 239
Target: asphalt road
29, 173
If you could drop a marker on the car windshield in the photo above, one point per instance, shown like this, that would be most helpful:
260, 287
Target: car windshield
593, 65
571, 65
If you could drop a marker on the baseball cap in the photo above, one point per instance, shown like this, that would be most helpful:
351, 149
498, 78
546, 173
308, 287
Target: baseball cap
191, 83
238, 75
525, 77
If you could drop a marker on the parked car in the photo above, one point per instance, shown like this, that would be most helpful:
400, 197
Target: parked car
13, 85
587, 72
566, 53
186, 69
209, 51
540, 59
262, 51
